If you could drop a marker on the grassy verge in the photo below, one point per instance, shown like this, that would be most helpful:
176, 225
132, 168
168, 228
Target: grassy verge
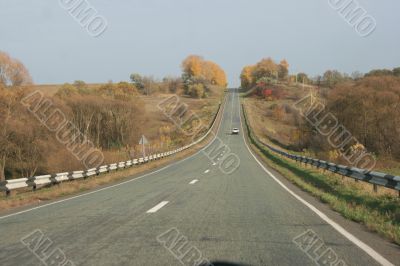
378, 212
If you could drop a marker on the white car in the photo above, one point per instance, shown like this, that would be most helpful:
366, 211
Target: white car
235, 131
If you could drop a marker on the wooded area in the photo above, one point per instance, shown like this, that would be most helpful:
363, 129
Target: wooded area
112, 116
368, 106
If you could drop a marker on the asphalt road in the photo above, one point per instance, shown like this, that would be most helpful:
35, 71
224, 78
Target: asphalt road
242, 218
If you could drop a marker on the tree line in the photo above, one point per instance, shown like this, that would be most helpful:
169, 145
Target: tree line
198, 80
367, 105
111, 115
265, 71
27, 147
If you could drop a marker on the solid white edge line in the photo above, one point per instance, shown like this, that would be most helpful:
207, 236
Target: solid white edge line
158, 207
119, 184
367, 249
194, 182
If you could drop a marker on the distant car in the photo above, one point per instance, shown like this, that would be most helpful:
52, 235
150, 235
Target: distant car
235, 131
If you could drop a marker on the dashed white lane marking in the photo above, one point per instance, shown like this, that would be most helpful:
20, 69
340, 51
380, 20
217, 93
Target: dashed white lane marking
207, 171
157, 207
119, 184
194, 182
214, 164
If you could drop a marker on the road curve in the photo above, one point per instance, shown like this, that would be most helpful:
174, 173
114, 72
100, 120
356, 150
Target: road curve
244, 218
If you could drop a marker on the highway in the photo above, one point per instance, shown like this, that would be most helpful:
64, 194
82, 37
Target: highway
249, 217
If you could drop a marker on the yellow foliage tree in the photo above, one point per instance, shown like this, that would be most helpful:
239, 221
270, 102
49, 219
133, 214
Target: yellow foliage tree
197, 90
266, 68
196, 68
283, 69
246, 77
213, 73
193, 66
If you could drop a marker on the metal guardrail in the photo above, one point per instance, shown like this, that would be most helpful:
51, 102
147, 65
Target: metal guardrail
372, 177
49, 180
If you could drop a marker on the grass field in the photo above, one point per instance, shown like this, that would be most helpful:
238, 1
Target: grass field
51, 89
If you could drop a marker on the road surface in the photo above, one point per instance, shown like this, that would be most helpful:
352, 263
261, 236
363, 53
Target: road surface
244, 218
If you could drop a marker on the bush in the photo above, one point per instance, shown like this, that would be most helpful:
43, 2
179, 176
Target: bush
196, 90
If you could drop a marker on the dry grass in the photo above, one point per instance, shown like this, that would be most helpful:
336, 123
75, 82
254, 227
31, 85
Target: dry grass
156, 119
51, 89
264, 125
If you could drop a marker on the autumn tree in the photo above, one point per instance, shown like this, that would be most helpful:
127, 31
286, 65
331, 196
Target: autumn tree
356, 75
12, 71
384, 72
28, 147
137, 80
213, 73
192, 66
379, 72
283, 69
7, 103
266, 68
396, 71
332, 77
172, 85
80, 84
66, 90
20, 145
369, 108
303, 78
246, 77
196, 90
196, 70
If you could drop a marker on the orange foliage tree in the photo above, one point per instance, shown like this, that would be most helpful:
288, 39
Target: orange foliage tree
196, 71
265, 69
246, 77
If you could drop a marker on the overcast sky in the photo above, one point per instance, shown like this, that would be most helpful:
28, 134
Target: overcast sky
152, 37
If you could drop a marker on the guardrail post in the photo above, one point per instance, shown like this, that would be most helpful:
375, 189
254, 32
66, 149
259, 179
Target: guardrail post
8, 193
375, 188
